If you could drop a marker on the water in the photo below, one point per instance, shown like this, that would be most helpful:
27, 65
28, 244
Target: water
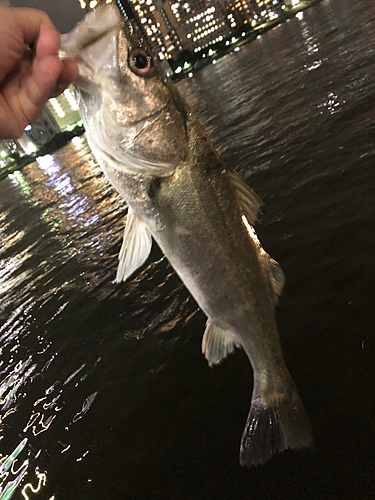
104, 393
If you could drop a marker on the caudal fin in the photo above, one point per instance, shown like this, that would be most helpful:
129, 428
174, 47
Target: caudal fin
276, 421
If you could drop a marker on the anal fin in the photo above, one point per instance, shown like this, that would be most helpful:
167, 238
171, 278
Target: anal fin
217, 343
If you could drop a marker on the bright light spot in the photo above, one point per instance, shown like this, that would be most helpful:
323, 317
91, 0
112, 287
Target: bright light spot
70, 98
57, 108
190, 75
42, 481
26, 129
250, 230
213, 61
315, 65
93, 4
178, 70
233, 39
77, 141
227, 42
45, 161
236, 49
295, 2
30, 148
3, 154
82, 4
186, 65
299, 15
243, 33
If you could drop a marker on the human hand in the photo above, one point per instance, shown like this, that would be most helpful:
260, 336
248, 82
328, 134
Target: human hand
30, 70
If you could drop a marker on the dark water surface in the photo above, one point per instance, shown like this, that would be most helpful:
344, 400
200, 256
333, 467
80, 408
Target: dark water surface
104, 393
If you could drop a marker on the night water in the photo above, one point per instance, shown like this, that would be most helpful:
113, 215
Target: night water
104, 392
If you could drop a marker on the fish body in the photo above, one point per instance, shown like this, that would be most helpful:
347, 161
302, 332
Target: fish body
201, 214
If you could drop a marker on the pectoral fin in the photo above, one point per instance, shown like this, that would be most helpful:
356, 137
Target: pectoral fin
136, 247
217, 343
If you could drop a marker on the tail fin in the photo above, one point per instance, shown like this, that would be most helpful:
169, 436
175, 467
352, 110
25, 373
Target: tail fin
276, 421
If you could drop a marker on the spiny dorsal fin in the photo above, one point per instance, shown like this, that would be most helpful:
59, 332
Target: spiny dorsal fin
249, 200
136, 247
217, 343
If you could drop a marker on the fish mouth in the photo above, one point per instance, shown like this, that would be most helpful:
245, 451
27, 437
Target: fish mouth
86, 71
90, 38
89, 73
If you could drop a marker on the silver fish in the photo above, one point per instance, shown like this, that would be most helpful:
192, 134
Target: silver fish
200, 213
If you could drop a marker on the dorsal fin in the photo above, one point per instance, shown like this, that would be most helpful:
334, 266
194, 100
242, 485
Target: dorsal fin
217, 343
275, 274
248, 199
136, 247
273, 270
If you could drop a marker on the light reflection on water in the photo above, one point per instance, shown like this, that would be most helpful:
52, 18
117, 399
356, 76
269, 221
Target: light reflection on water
66, 216
90, 370
74, 222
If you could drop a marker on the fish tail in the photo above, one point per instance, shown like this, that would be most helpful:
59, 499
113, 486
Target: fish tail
277, 421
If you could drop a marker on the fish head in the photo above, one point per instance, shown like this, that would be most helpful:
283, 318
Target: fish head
130, 110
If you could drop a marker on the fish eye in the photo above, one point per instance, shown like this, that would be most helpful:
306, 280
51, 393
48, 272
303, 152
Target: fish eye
140, 63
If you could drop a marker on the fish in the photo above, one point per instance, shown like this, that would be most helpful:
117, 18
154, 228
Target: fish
201, 214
